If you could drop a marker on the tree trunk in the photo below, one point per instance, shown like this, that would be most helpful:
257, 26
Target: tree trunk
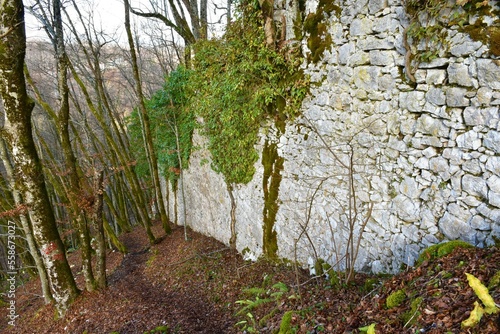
75, 188
28, 170
143, 116
99, 230
44, 280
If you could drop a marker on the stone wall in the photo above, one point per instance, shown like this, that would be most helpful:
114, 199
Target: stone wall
410, 164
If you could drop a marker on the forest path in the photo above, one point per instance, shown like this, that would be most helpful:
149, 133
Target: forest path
149, 287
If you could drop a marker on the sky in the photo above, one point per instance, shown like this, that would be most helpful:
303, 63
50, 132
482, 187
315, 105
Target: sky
109, 14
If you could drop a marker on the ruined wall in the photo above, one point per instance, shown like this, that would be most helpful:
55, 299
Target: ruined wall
410, 163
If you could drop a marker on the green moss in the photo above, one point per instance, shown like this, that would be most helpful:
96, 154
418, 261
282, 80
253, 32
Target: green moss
395, 299
319, 39
494, 281
273, 165
440, 250
369, 284
410, 317
286, 322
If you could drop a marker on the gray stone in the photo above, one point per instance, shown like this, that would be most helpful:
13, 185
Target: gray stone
406, 209
361, 27
453, 223
462, 45
431, 126
481, 116
469, 140
373, 43
386, 24
435, 77
455, 97
359, 58
408, 187
436, 96
366, 77
459, 74
439, 165
475, 186
493, 214
488, 73
484, 95
345, 52
382, 57
472, 167
492, 141
412, 101
375, 6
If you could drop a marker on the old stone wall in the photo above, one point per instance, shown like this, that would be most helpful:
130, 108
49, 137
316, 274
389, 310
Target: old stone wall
410, 164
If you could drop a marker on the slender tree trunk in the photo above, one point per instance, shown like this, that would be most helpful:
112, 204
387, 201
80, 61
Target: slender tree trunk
44, 280
62, 121
143, 116
99, 227
28, 170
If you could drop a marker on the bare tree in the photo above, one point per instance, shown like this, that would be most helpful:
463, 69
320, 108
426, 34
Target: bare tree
146, 128
28, 170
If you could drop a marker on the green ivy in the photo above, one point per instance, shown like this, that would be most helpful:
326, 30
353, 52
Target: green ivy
239, 84
170, 118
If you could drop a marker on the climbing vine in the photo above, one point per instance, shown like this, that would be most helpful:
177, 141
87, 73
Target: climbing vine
240, 83
426, 37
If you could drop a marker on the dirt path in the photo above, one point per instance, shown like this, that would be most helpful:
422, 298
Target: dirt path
138, 299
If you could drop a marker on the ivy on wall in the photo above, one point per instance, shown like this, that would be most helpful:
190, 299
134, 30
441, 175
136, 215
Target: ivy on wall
239, 84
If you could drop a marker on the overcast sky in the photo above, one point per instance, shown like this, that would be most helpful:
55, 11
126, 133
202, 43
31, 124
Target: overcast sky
108, 14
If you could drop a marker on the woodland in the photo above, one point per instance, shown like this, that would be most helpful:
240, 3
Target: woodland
93, 120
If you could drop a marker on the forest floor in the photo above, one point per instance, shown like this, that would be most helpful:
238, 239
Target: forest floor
201, 286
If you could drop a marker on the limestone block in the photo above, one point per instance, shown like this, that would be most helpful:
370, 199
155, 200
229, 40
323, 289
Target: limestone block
374, 43
475, 186
436, 96
407, 210
472, 167
453, 224
455, 97
362, 26
440, 166
459, 74
386, 23
345, 52
492, 141
493, 214
488, 73
412, 101
435, 77
463, 45
431, 126
375, 6
469, 140
366, 77
479, 223
481, 116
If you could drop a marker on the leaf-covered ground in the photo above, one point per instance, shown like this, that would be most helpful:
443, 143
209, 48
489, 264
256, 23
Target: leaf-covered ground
200, 286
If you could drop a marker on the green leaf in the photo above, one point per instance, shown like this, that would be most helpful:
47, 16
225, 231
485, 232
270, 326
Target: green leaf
368, 329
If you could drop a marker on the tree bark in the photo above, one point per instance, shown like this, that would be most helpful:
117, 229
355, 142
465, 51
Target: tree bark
28, 170
62, 121
44, 280
146, 129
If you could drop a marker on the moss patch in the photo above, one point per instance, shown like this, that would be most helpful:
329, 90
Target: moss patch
319, 39
440, 250
395, 299
273, 165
